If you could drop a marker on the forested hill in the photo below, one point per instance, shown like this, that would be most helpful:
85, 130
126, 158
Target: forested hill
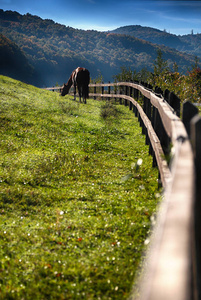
14, 63
190, 43
54, 50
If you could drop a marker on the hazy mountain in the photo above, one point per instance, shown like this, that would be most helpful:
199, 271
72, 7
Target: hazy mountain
54, 50
190, 43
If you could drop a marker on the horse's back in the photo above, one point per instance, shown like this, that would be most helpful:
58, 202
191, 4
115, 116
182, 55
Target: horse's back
83, 75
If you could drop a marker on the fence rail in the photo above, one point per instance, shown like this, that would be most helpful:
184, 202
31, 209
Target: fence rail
173, 262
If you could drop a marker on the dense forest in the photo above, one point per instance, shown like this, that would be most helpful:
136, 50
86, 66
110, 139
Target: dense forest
51, 50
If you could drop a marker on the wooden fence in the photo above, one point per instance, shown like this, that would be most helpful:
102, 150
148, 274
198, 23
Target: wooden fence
172, 266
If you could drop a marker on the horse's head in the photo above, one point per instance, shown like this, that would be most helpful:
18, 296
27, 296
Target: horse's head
64, 90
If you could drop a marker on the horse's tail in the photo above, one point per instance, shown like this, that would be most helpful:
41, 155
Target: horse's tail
87, 85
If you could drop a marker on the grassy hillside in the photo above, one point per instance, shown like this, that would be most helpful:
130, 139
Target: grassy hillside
75, 207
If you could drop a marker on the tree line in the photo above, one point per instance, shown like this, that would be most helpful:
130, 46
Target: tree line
185, 86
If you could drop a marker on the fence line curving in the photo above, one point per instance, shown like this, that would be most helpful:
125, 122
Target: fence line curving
168, 267
173, 263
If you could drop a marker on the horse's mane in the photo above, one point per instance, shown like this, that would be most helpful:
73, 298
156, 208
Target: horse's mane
70, 81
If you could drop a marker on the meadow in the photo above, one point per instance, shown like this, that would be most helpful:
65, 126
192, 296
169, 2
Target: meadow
77, 196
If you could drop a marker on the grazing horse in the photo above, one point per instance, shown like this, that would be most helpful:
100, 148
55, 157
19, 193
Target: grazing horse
80, 77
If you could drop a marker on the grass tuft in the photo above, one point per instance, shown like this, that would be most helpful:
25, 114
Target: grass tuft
109, 110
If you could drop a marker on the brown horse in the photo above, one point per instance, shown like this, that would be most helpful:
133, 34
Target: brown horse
80, 77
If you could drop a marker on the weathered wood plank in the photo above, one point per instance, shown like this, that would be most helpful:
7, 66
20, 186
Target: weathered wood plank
168, 271
53, 88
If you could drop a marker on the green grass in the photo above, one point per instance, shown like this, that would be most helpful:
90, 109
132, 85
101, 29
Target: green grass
75, 209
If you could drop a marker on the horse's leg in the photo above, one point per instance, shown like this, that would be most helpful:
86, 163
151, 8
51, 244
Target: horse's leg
84, 99
75, 92
80, 92
85, 94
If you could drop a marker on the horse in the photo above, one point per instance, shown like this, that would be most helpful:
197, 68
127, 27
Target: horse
80, 77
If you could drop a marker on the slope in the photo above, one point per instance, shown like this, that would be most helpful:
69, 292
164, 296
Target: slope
69, 226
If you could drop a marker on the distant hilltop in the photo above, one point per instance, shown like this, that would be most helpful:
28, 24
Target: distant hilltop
185, 43
49, 51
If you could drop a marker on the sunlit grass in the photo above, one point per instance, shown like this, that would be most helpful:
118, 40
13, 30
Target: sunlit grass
75, 203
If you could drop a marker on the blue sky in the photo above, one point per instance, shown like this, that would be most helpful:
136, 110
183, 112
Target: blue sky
178, 17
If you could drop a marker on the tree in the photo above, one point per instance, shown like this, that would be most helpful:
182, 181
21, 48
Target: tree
160, 69
194, 82
161, 65
127, 74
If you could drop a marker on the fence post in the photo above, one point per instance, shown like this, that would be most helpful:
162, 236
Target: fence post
147, 107
102, 91
196, 144
158, 91
131, 91
108, 90
166, 95
189, 111
130, 105
120, 92
147, 110
136, 94
126, 93
115, 92
135, 110
95, 91
130, 94
136, 97
141, 124
160, 131
174, 102
126, 90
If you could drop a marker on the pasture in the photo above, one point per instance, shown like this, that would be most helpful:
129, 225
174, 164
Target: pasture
75, 207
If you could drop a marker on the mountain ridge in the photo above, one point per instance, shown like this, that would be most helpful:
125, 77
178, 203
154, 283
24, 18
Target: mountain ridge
183, 43
54, 50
